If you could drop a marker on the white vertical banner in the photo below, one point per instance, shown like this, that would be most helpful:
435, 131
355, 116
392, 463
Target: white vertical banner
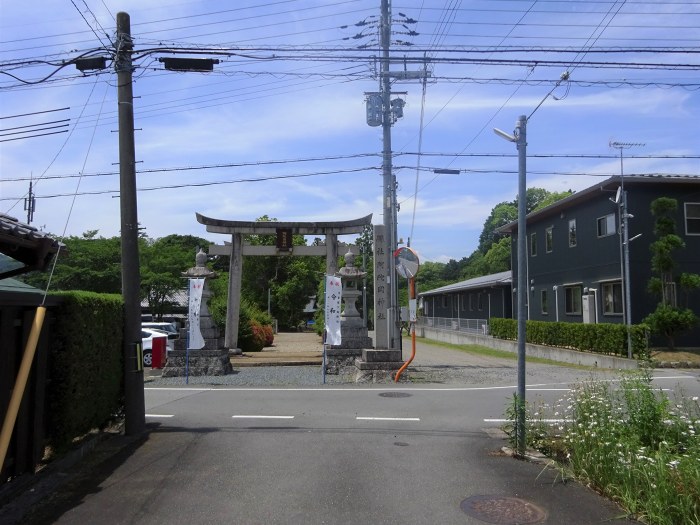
334, 289
196, 341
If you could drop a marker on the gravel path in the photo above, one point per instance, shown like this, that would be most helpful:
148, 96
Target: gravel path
433, 365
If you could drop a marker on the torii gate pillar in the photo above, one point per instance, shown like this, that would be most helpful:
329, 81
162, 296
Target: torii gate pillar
233, 307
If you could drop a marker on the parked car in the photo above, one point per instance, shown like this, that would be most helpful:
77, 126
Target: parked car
147, 335
169, 328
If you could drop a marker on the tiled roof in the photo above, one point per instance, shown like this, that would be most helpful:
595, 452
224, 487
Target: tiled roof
24, 247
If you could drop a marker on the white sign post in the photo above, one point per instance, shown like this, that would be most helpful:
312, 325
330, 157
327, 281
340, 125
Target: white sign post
332, 335
195, 339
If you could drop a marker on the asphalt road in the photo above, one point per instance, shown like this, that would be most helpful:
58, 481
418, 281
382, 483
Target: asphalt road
332, 454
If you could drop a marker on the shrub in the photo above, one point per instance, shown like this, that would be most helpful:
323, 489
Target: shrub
630, 443
85, 388
603, 338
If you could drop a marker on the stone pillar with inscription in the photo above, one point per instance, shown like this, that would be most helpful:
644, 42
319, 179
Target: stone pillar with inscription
379, 364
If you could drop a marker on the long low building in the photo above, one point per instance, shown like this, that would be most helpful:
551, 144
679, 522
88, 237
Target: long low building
469, 304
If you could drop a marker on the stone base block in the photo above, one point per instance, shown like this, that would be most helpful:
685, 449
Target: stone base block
209, 344
361, 364
339, 358
201, 363
375, 376
371, 355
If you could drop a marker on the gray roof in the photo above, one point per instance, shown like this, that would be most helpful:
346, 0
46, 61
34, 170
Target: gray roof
594, 191
485, 281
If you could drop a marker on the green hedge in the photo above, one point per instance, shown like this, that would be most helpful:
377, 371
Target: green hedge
85, 389
602, 338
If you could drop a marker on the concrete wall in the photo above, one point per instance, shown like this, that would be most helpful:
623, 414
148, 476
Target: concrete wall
546, 352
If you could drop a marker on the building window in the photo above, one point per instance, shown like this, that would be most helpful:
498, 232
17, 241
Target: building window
533, 244
472, 302
444, 301
612, 298
606, 225
572, 233
480, 301
548, 240
573, 300
543, 301
692, 218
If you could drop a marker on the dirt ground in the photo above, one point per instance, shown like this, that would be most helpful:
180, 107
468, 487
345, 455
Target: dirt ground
680, 355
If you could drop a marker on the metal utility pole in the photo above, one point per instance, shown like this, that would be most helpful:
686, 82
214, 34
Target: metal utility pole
520, 140
134, 405
388, 179
624, 245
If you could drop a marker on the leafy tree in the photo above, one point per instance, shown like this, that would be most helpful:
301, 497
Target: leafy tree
162, 263
668, 319
288, 282
88, 263
506, 212
501, 214
497, 259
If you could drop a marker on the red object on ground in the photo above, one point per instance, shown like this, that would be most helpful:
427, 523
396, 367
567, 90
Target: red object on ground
159, 352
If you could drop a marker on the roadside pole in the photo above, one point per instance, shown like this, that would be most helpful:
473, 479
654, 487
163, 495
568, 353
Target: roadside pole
134, 403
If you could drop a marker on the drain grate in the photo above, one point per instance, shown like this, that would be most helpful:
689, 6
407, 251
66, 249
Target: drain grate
394, 394
502, 510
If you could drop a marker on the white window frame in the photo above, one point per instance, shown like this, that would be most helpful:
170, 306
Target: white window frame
613, 285
533, 244
571, 288
549, 239
609, 222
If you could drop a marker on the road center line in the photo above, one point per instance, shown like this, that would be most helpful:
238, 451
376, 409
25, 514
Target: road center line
361, 418
261, 417
160, 415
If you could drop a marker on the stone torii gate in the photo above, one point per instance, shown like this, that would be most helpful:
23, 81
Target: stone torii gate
284, 232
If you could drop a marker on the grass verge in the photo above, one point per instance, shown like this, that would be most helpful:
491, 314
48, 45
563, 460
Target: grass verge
632, 444
501, 354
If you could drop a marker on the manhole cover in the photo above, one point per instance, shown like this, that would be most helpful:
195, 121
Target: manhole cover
502, 510
394, 394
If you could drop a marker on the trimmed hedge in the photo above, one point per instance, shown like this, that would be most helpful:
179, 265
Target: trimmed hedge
85, 388
602, 338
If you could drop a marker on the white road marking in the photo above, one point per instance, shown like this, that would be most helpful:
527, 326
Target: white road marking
261, 417
160, 415
548, 390
361, 418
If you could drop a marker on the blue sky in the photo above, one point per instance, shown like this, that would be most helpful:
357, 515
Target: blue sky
288, 109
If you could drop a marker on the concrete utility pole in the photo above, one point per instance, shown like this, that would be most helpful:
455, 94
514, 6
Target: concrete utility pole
134, 404
388, 179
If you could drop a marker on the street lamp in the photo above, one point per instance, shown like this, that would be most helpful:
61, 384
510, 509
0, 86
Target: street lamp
621, 201
519, 137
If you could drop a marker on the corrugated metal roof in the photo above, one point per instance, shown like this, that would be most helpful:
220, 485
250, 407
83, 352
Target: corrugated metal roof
502, 278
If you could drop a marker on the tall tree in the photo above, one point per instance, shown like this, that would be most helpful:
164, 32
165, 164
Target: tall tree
668, 319
162, 262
